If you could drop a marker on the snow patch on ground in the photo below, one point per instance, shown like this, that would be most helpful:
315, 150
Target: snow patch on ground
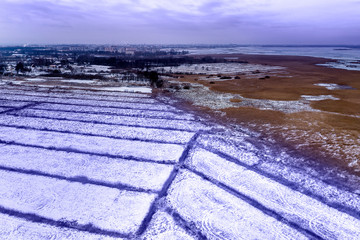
127, 89
333, 86
203, 96
36, 79
318, 98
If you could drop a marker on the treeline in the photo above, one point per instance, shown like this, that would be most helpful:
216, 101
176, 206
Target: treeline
118, 62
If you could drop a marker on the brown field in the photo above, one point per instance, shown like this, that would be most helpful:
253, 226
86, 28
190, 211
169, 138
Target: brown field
330, 135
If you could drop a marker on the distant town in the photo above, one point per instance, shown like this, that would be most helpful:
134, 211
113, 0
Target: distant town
32, 60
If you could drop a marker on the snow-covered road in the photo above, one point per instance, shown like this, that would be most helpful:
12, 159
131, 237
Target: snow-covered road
77, 164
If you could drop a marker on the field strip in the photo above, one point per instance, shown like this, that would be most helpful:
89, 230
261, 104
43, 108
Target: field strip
340, 199
13, 104
221, 215
95, 92
165, 124
89, 144
100, 130
316, 217
144, 113
325, 192
3, 109
239, 148
51, 95
58, 200
18, 225
169, 228
164, 191
91, 103
116, 172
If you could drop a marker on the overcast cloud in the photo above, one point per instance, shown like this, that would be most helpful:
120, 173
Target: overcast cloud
186, 21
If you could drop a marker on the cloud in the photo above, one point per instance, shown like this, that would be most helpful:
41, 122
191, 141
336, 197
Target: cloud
188, 20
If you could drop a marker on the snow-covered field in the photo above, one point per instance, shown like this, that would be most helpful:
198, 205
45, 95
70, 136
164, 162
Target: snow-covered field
77, 164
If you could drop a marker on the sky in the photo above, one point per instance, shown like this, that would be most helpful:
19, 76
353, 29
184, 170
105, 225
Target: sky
179, 22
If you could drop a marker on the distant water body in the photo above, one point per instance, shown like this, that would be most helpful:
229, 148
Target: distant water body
348, 57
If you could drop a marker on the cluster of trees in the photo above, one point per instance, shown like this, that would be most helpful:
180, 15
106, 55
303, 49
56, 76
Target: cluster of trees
153, 77
2, 68
120, 62
20, 67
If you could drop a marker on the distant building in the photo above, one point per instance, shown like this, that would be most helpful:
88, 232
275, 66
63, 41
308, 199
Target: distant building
111, 49
130, 51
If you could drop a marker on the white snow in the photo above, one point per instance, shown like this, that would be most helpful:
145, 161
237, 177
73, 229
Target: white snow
221, 215
125, 97
111, 119
118, 111
231, 184
203, 96
14, 228
91, 144
318, 98
94, 102
163, 227
333, 86
127, 89
79, 81
105, 130
238, 148
36, 79
315, 215
104, 207
113, 171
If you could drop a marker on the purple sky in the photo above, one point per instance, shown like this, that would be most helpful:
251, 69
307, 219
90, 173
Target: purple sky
175, 21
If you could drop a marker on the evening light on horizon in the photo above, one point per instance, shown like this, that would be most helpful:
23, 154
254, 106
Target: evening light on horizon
179, 22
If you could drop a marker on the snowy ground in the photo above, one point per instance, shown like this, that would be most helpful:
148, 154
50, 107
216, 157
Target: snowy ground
76, 164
